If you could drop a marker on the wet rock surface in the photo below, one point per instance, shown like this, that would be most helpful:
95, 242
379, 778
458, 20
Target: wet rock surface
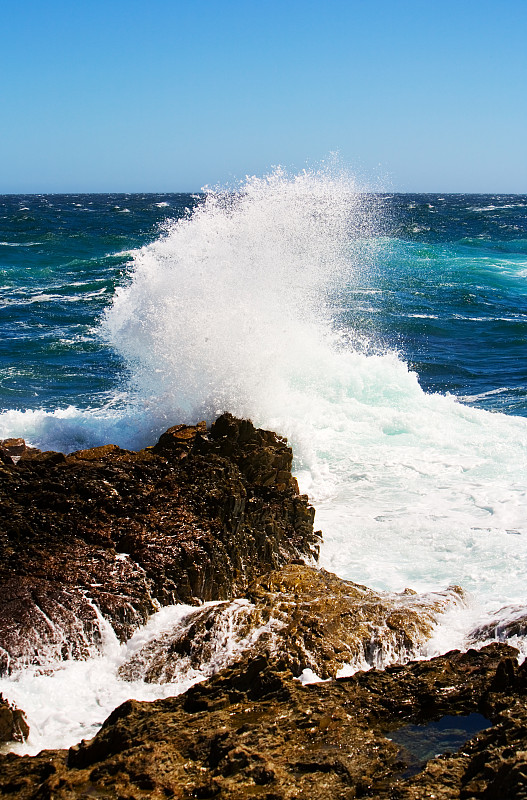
305, 618
105, 536
110, 534
506, 623
254, 731
13, 723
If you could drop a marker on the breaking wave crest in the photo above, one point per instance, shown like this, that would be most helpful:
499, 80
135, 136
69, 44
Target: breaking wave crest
229, 306
236, 308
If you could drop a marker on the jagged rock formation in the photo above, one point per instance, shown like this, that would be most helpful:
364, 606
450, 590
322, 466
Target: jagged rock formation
305, 618
254, 731
110, 533
506, 623
105, 536
13, 723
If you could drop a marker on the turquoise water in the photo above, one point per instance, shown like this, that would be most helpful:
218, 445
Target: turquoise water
61, 257
446, 289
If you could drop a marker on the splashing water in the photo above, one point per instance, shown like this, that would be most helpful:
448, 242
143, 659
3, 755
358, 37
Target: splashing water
226, 308
72, 699
235, 308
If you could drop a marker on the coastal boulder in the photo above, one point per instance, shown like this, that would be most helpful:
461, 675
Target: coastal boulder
252, 730
11, 450
13, 723
509, 622
92, 543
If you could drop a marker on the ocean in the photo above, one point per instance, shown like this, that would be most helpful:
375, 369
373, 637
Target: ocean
384, 334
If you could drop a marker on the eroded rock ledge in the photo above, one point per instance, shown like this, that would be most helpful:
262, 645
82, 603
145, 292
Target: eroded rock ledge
304, 618
118, 533
105, 536
254, 731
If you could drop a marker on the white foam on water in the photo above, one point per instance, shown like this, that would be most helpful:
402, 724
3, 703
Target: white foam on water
71, 699
499, 208
231, 309
67, 701
20, 244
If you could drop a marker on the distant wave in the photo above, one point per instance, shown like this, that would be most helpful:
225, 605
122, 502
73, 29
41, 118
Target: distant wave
20, 244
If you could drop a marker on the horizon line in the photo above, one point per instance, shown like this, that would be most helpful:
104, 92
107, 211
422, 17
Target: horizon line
203, 191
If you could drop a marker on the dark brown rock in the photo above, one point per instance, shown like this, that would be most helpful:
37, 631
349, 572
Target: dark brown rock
305, 618
12, 450
117, 533
254, 731
13, 724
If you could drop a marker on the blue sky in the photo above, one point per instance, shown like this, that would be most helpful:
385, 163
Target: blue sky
164, 95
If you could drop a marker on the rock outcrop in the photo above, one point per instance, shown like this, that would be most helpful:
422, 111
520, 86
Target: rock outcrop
109, 535
254, 731
13, 723
304, 618
103, 537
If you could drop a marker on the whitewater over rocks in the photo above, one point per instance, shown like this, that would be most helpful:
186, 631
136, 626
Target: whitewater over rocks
312, 621
137, 570
254, 731
108, 536
272, 302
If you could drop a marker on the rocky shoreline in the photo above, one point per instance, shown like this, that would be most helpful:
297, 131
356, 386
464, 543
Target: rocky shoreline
252, 730
108, 536
118, 533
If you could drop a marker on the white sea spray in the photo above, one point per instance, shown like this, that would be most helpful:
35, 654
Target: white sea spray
234, 308
69, 700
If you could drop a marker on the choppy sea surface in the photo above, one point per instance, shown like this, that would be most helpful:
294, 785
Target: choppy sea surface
385, 335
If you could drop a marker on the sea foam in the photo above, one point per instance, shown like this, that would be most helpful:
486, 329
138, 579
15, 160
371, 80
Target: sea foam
236, 308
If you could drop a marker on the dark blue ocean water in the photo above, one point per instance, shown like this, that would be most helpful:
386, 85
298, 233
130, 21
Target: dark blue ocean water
447, 290
61, 257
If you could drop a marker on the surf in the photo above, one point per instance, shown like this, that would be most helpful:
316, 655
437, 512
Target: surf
238, 306
247, 304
